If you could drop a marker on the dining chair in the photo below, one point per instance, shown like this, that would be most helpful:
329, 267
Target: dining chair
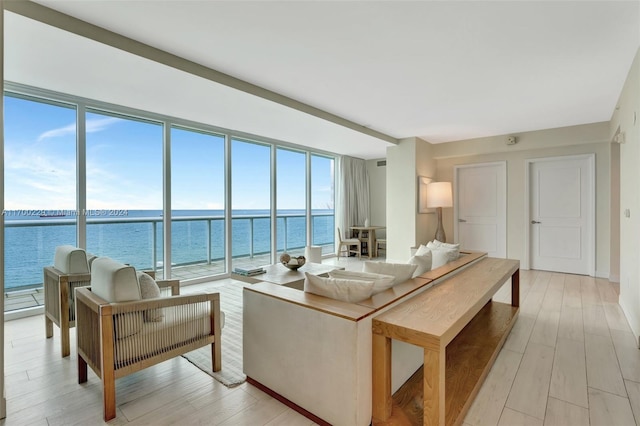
347, 244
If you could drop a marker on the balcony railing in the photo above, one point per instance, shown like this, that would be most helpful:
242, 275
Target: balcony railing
196, 240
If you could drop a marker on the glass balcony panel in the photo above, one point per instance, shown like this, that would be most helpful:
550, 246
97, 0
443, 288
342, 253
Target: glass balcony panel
251, 204
124, 181
291, 191
322, 203
39, 190
198, 200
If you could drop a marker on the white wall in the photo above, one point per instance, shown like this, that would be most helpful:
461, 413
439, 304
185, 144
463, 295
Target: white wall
377, 195
555, 142
626, 118
614, 212
426, 223
411, 158
401, 200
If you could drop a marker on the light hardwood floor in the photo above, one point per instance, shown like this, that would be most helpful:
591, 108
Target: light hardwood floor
569, 360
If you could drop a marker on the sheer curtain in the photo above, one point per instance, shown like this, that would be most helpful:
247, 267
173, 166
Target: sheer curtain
352, 205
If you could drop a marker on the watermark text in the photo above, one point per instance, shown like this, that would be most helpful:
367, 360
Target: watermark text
65, 213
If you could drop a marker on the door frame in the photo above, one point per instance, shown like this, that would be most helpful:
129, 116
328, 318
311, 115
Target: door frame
503, 167
591, 207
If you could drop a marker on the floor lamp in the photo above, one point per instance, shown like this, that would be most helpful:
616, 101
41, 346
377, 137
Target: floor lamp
439, 196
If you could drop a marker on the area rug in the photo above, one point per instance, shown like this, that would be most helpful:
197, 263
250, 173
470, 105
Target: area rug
231, 304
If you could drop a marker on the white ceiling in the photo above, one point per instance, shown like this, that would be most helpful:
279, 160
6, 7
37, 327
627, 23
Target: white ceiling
441, 71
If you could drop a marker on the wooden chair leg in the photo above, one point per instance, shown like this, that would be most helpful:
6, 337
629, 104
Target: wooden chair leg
82, 370
64, 319
65, 343
216, 346
109, 396
216, 355
48, 326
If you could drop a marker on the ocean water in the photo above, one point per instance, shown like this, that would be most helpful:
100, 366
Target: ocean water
130, 235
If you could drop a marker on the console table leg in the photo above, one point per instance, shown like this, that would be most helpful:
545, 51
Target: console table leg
382, 401
515, 288
434, 387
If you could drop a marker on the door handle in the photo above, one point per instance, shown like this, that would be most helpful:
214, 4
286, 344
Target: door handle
461, 220
535, 222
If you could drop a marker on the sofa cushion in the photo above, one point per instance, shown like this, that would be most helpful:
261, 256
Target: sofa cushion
71, 260
336, 288
424, 263
400, 271
380, 282
149, 290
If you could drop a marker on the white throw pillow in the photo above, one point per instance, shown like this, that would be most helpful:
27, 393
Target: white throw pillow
149, 290
424, 263
422, 250
400, 271
439, 258
446, 245
346, 290
452, 250
380, 282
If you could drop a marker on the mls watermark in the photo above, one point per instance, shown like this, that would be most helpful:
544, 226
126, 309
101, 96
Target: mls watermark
65, 213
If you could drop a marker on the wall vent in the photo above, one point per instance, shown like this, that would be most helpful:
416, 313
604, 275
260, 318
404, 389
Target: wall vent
382, 163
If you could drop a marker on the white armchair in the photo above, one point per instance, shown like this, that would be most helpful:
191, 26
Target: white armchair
119, 333
70, 270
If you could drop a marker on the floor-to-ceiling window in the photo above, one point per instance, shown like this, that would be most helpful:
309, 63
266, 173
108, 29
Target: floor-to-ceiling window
124, 189
40, 190
323, 202
123, 193
251, 203
197, 203
291, 179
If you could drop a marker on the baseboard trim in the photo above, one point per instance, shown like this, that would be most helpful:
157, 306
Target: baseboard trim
23, 313
614, 278
636, 333
602, 274
288, 403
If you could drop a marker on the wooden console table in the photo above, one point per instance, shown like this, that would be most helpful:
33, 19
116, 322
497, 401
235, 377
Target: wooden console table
461, 331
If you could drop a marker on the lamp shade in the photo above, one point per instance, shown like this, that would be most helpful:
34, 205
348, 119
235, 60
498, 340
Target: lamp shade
439, 195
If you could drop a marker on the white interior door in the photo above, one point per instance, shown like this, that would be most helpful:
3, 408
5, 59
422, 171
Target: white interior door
480, 208
561, 217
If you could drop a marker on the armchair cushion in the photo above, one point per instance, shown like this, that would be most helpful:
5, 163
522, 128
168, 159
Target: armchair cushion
113, 281
149, 290
71, 260
336, 288
152, 337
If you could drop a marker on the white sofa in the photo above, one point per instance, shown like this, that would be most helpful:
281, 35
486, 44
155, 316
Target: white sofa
316, 352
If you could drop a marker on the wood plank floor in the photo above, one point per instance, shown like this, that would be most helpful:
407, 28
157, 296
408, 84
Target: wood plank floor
569, 360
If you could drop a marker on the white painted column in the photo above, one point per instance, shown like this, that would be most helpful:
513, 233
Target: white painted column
3, 401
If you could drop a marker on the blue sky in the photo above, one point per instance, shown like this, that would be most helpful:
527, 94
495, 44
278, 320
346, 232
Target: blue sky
124, 165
